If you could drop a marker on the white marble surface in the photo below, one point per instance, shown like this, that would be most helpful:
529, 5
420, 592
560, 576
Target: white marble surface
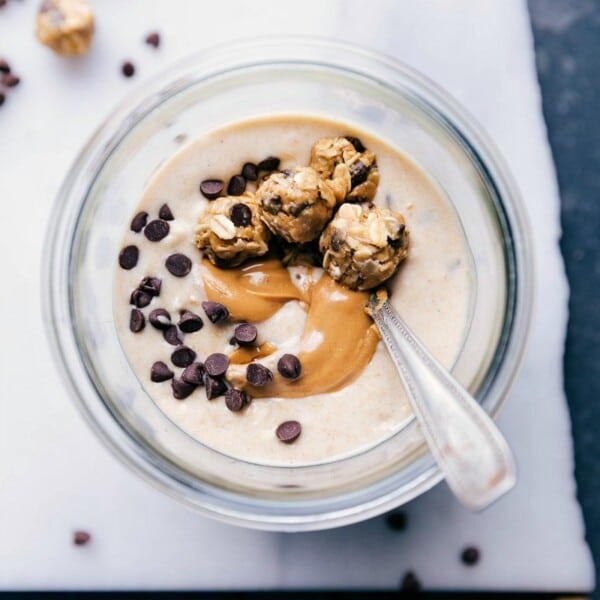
54, 474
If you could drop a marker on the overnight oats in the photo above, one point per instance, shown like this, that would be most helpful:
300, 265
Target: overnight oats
243, 276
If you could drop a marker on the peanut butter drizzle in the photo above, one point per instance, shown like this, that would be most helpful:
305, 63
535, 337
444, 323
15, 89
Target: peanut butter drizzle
338, 341
242, 355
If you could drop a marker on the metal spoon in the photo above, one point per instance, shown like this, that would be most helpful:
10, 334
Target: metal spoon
466, 444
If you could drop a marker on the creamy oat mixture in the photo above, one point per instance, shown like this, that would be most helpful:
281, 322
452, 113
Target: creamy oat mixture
309, 369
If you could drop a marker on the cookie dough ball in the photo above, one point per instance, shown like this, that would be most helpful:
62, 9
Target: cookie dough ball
362, 247
348, 166
66, 26
296, 204
231, 230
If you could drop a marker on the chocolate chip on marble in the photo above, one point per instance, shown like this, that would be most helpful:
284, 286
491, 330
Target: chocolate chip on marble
190, 322
410, 583
179, 265
245, 334
214, 386
172, 336
160, 372
81, 538
139, 221
194, 374
258, 375
165, 213
4, 66
211, 188
470, 556
289, 366
250, 171
128, 257
137, 321
151, 285
288, 431
10, 80
216, 364
269, 164
140, 298
240, 215
236, 186
396, 520
358, 145
181, 389
160, 318
128, 69
215, 311
153, 39
183, 357
156, 230
235, 399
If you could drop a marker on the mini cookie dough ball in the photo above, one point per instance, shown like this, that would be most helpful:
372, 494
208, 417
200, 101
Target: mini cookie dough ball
66, 26
362, 247
348, 166
231, 230
296, 204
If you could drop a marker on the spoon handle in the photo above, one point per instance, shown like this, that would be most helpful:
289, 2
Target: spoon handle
466, 444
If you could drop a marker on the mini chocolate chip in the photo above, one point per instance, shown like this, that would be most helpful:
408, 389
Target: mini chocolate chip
235, 400
137, 321
237, 186
358, 173
410, 583
240, 215
81, 538
289, 366
178, 264
250, 171
470, 556
140, 298
358, 145
153, 39
216, 364
211, 188
171, 336
273, 204
4, 66
214, 386
288, 431
156, 230
151, 285
269, 164
245, 334
286, 172
139, 221
160, 372
194, 374
160, 318
128, 257
190, 322
10, 80
296, 209
215, 311
181, 389
165, 213
258, 375
396, 520
128, 69
183, 357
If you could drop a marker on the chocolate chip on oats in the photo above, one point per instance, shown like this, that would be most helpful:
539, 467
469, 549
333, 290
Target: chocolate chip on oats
258, 375
216, 364
237, 186
396, 520
235, 400
128, 257
160, 318
140, 298
160, 372
171, 336
410, 583
181, 389
214, 386
245, 334
4, 66
358, 173
211, 188
470, 556
139, 221
183, 356
81, 538
151, 285
250, 171
178, 264
153, 39
288, 431
269, 164
358, 145
240, 215
156, 230
190, 322
194, 374
128, 69
10, 80
289, 366
137, 321
215, 311
165, 213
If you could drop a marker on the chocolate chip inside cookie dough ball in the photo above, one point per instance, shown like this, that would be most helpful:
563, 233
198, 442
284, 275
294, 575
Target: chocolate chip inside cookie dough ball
296, 204
231, 230
350, 169
362, 247
66, 26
